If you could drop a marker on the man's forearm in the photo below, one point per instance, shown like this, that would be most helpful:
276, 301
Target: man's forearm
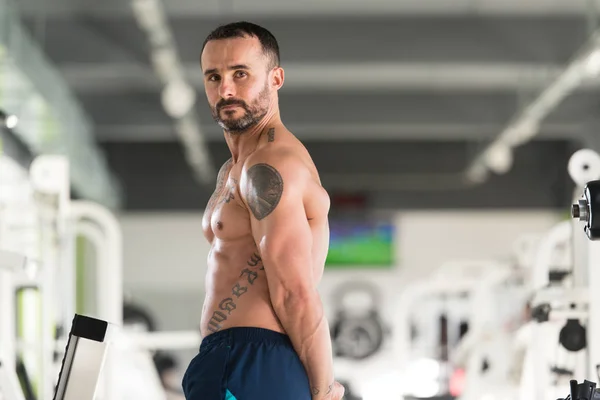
306, 325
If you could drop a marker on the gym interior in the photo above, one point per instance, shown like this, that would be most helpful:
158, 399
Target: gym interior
458, 142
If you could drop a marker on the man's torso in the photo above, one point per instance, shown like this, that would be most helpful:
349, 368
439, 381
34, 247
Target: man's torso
236, 285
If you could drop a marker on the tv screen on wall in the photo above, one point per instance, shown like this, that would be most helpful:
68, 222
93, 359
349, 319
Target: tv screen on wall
361, 244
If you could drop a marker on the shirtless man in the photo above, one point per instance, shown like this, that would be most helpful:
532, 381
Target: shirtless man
265, 336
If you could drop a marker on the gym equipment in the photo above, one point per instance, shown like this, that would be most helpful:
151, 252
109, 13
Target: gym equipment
473, 279
131, 352
92, 342
588, 163
566, 301
358, 331
84, 358
587, 210
455, 278
137, 317
102, 229
10, 265
38, 220
10, 388
583, 391
584, 168
573, 336
32, 207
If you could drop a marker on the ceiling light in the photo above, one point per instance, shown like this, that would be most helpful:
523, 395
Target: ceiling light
592, 63
499, 158
11, 121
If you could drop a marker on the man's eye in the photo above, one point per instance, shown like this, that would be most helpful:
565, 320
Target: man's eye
213, 78
240, 74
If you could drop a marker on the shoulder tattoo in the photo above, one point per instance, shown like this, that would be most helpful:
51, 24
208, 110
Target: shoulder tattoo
265, 187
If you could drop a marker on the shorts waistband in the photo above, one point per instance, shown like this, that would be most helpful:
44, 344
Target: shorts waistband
245, 335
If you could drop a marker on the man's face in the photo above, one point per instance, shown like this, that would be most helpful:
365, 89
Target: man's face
236, 82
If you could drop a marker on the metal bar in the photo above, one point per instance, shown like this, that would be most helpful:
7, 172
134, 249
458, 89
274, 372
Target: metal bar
104, 78
176, 340
593, 328
84, 359
110, 278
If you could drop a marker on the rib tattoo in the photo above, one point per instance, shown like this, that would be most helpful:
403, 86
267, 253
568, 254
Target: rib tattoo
264, 191
228, 304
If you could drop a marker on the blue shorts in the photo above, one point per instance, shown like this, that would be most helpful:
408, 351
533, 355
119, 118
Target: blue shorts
246, 364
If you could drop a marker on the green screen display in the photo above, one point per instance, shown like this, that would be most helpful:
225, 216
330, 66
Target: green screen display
360, 244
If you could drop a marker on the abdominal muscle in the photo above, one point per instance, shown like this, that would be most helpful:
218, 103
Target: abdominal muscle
237, 292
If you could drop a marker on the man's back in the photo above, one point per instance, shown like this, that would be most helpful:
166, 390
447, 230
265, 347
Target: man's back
237, 291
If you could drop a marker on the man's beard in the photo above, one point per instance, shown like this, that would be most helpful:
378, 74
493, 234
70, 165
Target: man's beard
252, 114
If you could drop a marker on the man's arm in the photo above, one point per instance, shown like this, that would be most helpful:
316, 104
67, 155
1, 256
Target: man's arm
274, 191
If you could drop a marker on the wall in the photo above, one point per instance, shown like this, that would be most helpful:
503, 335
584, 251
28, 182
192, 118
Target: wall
166, 252
165, 256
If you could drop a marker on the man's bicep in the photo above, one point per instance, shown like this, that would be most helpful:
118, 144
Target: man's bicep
284, 240
280, 227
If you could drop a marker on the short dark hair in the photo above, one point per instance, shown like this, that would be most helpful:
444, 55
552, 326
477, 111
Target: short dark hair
242, 29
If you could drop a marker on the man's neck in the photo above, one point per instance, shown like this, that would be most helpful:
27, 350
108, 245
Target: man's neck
242, 144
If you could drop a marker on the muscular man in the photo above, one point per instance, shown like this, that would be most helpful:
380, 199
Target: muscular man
265, 336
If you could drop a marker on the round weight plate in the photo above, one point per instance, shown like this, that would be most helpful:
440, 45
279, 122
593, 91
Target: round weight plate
359, 338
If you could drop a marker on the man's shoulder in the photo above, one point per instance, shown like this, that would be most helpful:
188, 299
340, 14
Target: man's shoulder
279, 156
279, 165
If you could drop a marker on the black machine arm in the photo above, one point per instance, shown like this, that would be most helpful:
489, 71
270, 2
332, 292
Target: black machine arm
583, 391
587, 210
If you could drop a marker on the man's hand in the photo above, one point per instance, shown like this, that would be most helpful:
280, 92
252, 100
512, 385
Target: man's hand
337, 393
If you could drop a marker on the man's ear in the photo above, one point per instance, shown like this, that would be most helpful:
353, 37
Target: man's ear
277, 77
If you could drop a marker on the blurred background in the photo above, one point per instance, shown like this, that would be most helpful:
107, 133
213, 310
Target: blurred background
442, 130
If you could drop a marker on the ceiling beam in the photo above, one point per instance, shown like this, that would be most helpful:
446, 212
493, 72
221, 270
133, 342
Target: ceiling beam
118, 77
267, 8
342, 132
524, 126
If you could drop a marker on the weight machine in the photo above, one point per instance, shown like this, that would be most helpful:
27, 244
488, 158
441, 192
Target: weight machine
473, 279
117, 358
92, 360
11, 264
31, 240
586, 209
83, 360
568, 294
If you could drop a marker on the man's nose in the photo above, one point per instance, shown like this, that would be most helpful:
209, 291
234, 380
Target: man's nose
227, 88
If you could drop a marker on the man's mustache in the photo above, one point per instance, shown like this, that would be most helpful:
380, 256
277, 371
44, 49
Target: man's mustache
225, 103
